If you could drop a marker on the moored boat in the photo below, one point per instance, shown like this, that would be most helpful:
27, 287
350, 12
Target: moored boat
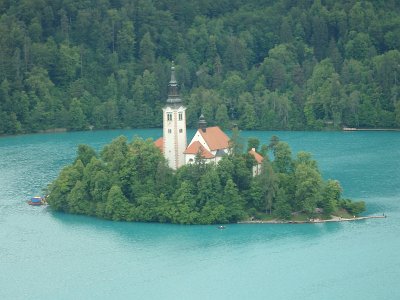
37, 201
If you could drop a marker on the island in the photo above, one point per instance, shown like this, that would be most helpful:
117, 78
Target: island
131, 181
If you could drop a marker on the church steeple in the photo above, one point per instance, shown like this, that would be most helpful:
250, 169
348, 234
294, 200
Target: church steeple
173, 94
174, 125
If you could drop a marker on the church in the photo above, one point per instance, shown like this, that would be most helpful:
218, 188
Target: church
210, 142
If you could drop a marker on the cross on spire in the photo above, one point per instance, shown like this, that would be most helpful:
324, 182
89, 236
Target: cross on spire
173, 94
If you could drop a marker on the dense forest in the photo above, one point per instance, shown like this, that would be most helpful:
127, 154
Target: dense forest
131, 181
272, 64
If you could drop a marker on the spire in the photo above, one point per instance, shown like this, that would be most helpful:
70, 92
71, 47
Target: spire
173, 80
202, 123
173, 95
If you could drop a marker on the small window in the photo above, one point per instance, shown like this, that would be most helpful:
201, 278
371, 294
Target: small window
169, 130
180, 116
169, 116
180, 130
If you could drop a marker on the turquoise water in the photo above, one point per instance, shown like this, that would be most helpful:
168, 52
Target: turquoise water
47, 255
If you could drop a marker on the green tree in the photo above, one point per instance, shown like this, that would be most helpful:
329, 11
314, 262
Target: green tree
232, 202
117, 207
77, 119
282, 158
236, 55
209, 188
85, 154
221, 116
126, 41
62, 186
147, 52
308, 187
184, 211
286, 32
68, 64
320, 36
359, 46
269, 185
236, 142
253, 142
77, 199
397, 113
283, 209
232, 87
254, 196
331, 195
248, 118
100, 185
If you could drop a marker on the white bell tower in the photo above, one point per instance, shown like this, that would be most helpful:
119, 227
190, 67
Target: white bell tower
174, 125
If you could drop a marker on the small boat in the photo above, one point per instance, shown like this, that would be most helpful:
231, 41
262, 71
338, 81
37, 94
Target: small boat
37, 201
221, 227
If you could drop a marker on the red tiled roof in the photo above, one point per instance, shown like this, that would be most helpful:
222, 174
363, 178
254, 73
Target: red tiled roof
159, 143
195, 147
257, 156
215, 138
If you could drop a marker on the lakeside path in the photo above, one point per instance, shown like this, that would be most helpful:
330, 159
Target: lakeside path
334, 219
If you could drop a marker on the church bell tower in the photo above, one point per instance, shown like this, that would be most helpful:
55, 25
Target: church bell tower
174, 125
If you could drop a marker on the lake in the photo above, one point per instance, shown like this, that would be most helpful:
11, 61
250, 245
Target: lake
48, 255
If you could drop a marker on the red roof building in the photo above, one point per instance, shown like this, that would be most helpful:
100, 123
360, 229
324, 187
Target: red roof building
212, 141
159, 143
259, 159
256, 156
195, 148
215, 138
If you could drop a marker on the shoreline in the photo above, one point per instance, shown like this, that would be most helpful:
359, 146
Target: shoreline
369, 129
314, 221
63, 130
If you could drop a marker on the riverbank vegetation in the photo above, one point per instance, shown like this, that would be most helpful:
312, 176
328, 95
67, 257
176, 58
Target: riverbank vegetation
131, 181
282, 64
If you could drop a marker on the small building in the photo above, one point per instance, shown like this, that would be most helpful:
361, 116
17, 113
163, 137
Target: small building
259, 159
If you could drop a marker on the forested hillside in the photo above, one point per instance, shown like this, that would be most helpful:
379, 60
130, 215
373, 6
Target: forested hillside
262, 64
